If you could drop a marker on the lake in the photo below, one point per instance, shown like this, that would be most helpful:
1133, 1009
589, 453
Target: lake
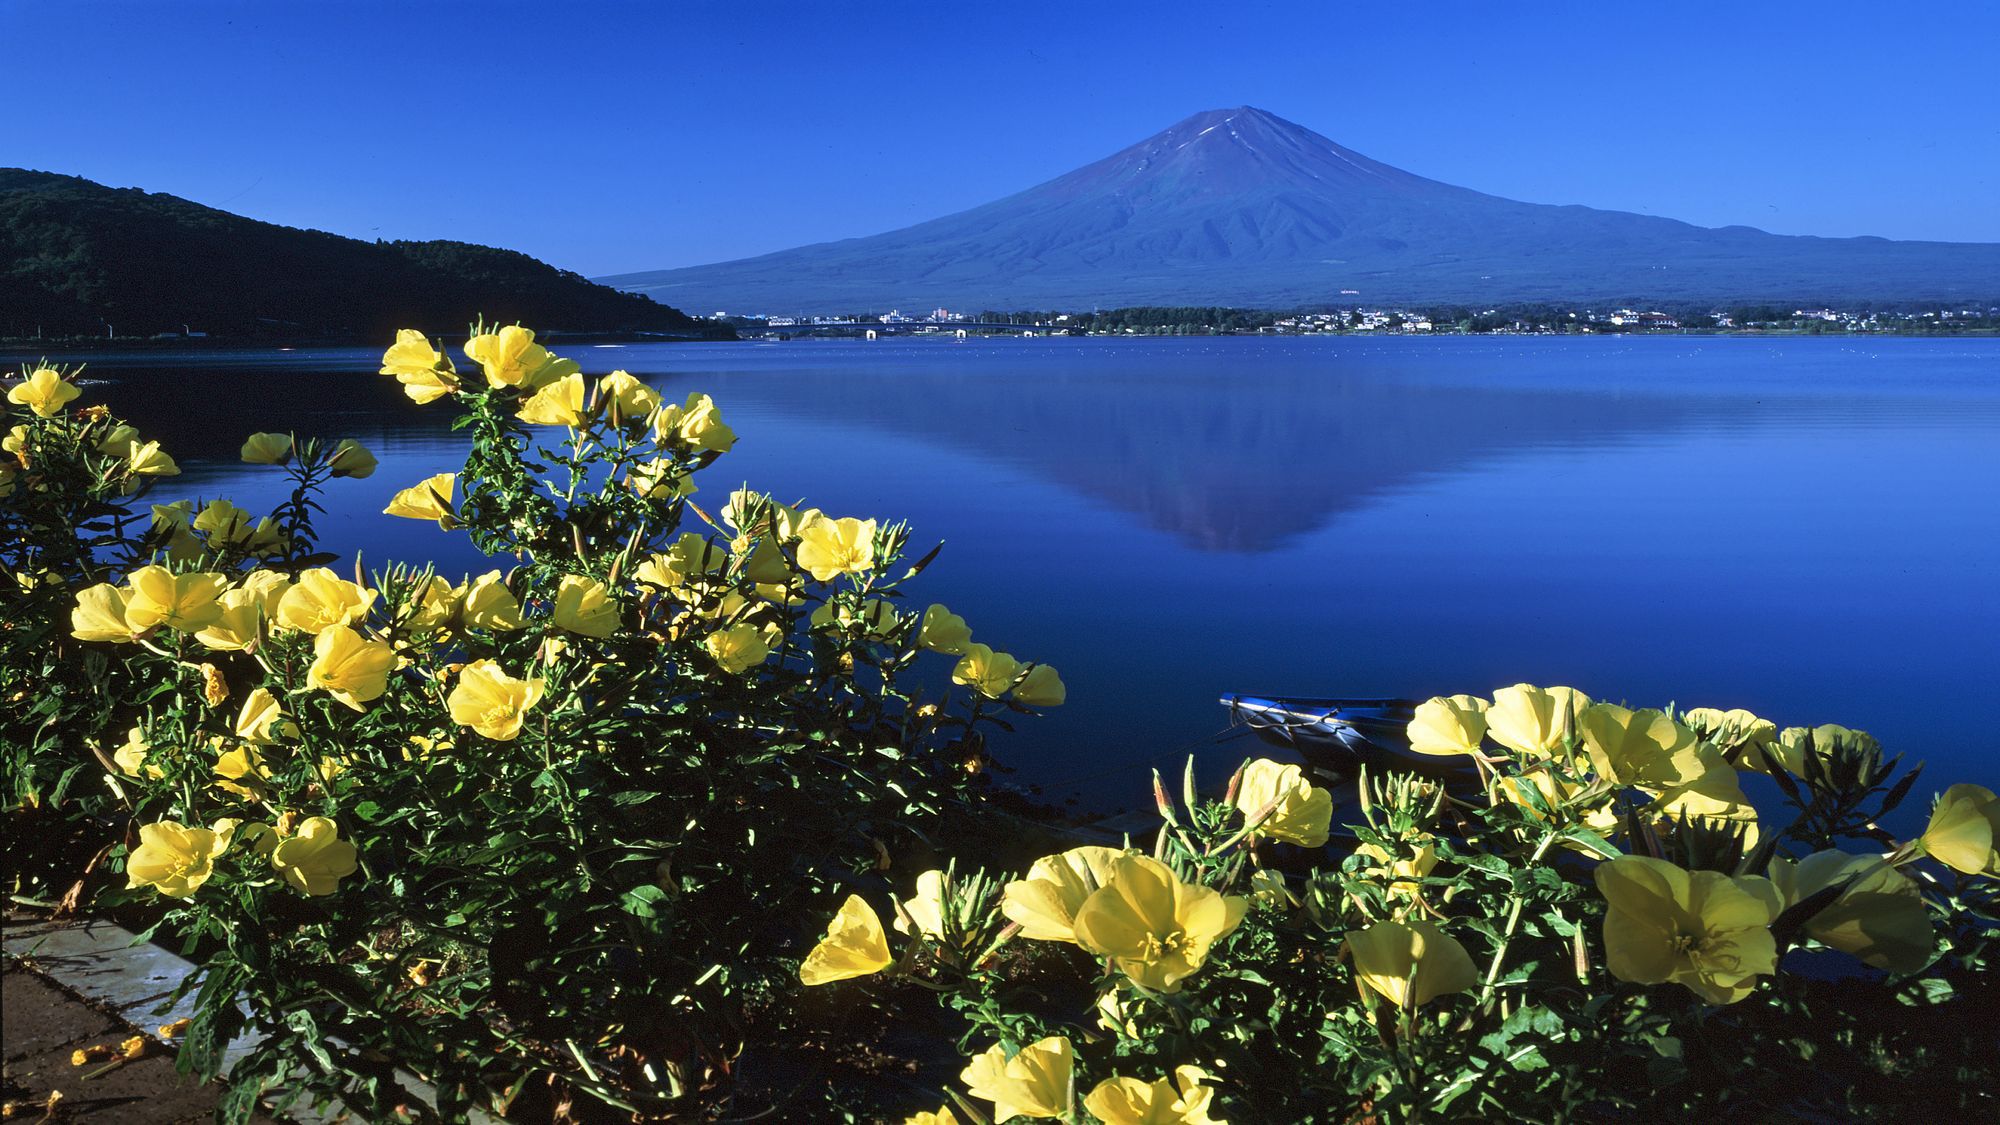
1806, 527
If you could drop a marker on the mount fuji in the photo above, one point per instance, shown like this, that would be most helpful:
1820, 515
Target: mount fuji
1241, 207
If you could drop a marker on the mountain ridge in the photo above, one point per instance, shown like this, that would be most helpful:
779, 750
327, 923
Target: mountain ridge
76, 255
1239, 206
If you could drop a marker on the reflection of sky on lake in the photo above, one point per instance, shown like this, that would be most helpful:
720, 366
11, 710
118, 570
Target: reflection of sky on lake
1803, 527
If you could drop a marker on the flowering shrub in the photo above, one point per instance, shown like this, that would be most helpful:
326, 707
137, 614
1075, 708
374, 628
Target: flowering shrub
552, 835
1584, 921
584, 836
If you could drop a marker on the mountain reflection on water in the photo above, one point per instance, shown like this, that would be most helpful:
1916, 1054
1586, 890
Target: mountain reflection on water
1803, 527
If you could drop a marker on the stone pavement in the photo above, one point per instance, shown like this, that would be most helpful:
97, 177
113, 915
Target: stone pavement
43, 1023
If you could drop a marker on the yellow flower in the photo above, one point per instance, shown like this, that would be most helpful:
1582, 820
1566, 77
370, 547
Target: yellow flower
696, 422
429, 499
100, 615
511, 358
131, 757
1041, 687
584, 606
985, 671
262, 720
1706, 930
352, 459
1826, 739
243, 772
174, 859
854, 946
45, 392
626, 398
1155, 928
944, 631
660, 480
431, 606
1034, 1083
925, 908
225, 524
321, 599
314, 858
1403, 870
1643, 748
1302, 811
766, 565
1128, 1101
116, 443
1733, 731
560, 403
349, 668
1448, 724
738, 648
1410, 963
267, 449
1534, 721
691, 554
235, 629
1880, 917
1964, 829
155, 596
875, 617
492, 702
1045, 903
830, 548
943, 1116
425, 372
489, 604
147, 459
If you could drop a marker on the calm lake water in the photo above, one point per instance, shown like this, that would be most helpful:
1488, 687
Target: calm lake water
1804, 527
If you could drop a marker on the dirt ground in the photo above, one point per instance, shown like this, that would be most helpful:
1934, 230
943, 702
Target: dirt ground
44, 1023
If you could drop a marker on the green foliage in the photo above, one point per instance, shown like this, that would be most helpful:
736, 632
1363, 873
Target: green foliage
79, 256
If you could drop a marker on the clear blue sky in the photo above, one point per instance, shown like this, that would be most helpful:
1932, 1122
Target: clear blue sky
607, 137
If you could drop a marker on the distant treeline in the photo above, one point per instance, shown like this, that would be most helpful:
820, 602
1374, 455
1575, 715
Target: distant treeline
81, 259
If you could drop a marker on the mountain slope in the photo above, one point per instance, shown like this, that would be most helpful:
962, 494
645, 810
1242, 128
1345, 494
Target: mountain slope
1242, 207
76, 255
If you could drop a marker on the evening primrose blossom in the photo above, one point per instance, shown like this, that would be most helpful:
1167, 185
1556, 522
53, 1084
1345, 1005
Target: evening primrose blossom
99, 615
267, 449
314, 859
1703, 929
1301, 812
829, 548
425, 372
155, 597
1045, 902
174, 859
1410, 963
1880, 917
348, 667
45, 392
985, 671
1534, 721
320, 599
585, 607
1155, 929
738, 648
429, 499
487, 603
560, 403
492, 702
854, 946
509, 357
944, 631
1964, 829
352, 459
1452, 724
1035, 1082
1183, 1100
1041, 687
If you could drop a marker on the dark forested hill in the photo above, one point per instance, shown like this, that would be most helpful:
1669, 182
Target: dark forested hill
1240, 207
76, 256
